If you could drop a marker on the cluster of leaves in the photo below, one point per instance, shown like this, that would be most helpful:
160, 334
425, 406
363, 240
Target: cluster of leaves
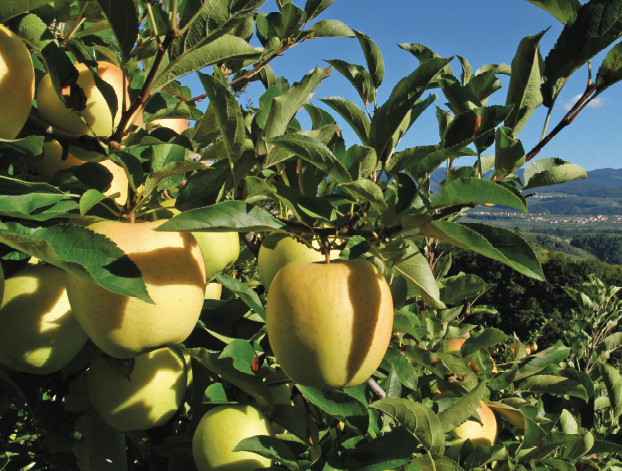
254, 170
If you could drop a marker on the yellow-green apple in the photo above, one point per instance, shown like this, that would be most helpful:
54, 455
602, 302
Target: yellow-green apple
1, 283
141, 393
178, 125
96, 118
53, 161
483, 433
220, 249
220, 430
171, 264
213, 291
454, 345
17, 83
278, 249
38, 333
329, 325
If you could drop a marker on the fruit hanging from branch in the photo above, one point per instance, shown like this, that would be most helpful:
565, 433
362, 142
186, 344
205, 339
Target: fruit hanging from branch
172, 266
329, 325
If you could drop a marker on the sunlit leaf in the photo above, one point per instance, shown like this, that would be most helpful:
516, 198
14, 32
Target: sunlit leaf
477, 191
330, 29
551, 171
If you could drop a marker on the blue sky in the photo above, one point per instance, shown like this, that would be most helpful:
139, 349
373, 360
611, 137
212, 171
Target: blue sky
482, 31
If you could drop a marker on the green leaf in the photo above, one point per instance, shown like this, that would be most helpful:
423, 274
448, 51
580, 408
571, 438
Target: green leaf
461, 410
269, 447
598, 24
80, 251
330, 29
358, 76
541, 360
285, 106
10, 9
314, 7
242, 355
227, 216
414, 267
338, 404
373, 57
170, 169
610, 71
352, 114
551, 384
397, 114
229, 118
215, 394
463, 287
312, 151
524, 91
366, 190
496, 243
473, 124
123, 18
28, 146
551, 171
403, 368
222, 49
613, 382
477, 191
419, 420
509, 152
563, 10
89, 199
245, 292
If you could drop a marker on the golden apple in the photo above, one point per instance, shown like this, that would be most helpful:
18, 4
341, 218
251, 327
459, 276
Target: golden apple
218, 433
142, 394
213, 291
38, 333
172, 266
484, 433
96, 118
329, 325
220, 249
178, 125
17, 83
52, 162
278, 249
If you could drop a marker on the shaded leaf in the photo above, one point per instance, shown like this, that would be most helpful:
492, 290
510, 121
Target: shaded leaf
10, 9
123, 18
269, 447
338, 404
551, 384
366, 190
414, 267
29, 145
314, 7
509, 152
610, 71
245, 292
168, 170
613, 382
563, 10
461, 410
352, 114
373, 57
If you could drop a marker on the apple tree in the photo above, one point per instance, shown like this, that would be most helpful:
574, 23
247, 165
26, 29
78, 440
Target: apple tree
170, 215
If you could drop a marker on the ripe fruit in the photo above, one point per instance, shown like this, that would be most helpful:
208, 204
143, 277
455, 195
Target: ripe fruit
219, 249
172, 266
96, 112
17, 83
218, 433
483, 433
178, 125
329, 325
454, 345
52, 162
213, 291
38, 333
278, 249
141, 395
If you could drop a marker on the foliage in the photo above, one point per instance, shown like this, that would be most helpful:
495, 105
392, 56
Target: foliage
254, 170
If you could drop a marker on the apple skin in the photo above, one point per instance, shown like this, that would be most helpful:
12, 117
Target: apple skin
178, 125
17, 83
172, 266
53, 162
329, 325
220, 430
277, 250
96, 112
479, 434
38, 333
213, 291
146, 397
219, 249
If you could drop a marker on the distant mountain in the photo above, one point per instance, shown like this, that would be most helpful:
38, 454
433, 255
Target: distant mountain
601, 183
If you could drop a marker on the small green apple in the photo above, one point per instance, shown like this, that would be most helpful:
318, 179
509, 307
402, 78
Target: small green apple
329, 325
17, 83
172, 266
278, 249
143, 394
220, 430
38, 333
220, 249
